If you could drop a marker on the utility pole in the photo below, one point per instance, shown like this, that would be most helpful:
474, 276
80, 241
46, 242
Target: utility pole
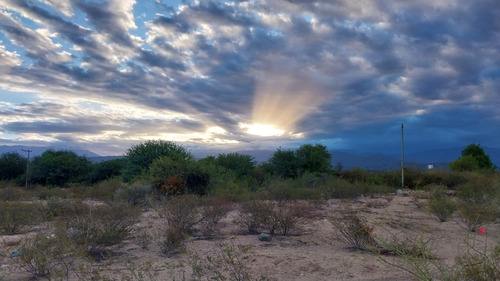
27, 165
402, 159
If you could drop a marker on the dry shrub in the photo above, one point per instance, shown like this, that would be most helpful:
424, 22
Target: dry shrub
102, 226
440, 204
143, 237
16, 217
171, 241
478, 201
46, 257
214, 209
353, 229
252, 215
230, 263
283, 218
181, 211
479, 265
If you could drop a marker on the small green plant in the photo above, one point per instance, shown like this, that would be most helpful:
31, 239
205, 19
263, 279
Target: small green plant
440, 204
352, 228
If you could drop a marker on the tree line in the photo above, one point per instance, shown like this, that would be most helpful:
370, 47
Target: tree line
172, 169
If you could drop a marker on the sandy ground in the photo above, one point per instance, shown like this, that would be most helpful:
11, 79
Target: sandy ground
317, 253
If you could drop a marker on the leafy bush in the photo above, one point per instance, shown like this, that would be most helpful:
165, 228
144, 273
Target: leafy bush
106, 170
13, 166
440, 204
139, 157
58, 168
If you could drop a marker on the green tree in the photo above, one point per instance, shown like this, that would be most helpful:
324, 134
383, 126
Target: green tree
139, 157
473, 158
59, 168
283, 163
241, 164
12, 166
106, 170
313, 158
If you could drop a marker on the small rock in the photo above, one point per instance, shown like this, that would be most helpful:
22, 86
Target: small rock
10, 240
16, 253
399, 192
265, 237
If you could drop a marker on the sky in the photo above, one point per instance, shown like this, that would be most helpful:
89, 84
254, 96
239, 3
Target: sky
246, 75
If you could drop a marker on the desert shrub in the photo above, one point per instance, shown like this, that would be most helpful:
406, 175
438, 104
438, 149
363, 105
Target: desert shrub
281, 191
252, 215
143, 237
479, 265
16, 217
283, 218
213, 210
135, 194
478, 201
106, 190
13, 193
182, 211
351, 227
230, 263
61, 207
102, 226
439, 204
172, 239
46, 257
341, 188
288, 218
415, 255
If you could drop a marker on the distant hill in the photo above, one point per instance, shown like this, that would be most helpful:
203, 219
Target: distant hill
38, 150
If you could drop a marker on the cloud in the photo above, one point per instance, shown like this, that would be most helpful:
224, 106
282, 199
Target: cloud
325, 68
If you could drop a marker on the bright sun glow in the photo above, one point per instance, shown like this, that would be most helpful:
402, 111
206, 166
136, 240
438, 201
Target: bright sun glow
262, 130
280, 102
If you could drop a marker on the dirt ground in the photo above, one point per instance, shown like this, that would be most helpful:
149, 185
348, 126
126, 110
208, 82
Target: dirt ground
317, 253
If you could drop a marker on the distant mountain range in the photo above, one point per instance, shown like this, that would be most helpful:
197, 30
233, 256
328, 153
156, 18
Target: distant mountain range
38, 150
439, 158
